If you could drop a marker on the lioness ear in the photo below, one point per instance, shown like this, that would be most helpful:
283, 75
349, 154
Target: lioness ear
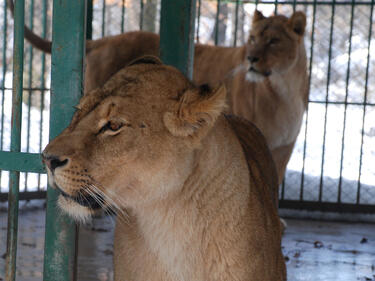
258, 16
297, 23
148, 59
196, 111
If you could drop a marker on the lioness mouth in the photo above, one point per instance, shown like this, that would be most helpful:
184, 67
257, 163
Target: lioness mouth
85, 200
266, 74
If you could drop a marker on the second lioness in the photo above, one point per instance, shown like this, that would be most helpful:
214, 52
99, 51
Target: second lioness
266, 78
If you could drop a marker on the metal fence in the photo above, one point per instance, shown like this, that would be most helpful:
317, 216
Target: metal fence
332, 164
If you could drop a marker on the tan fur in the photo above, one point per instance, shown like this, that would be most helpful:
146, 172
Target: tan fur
275, 100
192, 203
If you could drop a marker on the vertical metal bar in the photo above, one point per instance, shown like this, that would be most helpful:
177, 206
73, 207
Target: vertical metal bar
326, 99
217, 22
307, 110
276, 6
346, 100
294, 5
236, 23
15, 144
42, 81
67, 76
103, 18
141, 15
4, 58
29, 84
89, 17
177, 34
199, 18
364, 102
122, 16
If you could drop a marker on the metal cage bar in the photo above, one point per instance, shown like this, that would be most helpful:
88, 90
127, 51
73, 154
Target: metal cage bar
67, 74
177, 34
326, 100
15, 145
358, 197
4, 70
346, 101
30, 93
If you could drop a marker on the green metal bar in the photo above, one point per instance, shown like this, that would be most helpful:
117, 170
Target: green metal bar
141, 15
89, 17
31, 195
42, 81
30, 93
346, 101
27, 89
358, 199
67, 76
199, 18
177, 34
304, 3
326, 99
21, 161
4, 68
217, 22
15, 144
307, 109
122, 16
103, 19
236, 23
276, 6
342, 102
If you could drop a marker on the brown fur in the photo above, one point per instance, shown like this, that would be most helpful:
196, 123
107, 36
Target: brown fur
196, 208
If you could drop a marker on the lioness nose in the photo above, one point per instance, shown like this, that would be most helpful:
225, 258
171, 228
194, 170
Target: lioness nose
54, 162
253, 59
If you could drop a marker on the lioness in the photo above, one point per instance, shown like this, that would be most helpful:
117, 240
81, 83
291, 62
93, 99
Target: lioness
266, 78
154, 146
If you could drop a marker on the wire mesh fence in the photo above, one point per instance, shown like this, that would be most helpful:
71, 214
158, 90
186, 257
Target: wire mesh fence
332, 161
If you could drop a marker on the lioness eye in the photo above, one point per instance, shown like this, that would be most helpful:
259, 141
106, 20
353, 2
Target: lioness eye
112, 126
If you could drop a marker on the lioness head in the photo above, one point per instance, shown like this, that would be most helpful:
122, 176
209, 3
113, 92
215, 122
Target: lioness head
131, 141
273, 44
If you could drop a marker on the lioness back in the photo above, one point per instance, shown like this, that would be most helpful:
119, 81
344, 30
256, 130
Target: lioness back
158, 150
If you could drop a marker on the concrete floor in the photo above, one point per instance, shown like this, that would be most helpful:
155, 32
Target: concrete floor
314, 251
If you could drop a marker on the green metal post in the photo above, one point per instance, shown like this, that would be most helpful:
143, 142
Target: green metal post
42, 81
15, 144
29, 84
4, 71
177, 34
89, 16
67, 68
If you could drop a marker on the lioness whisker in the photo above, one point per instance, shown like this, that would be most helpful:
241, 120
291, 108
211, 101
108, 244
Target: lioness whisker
113, 206
101, 202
